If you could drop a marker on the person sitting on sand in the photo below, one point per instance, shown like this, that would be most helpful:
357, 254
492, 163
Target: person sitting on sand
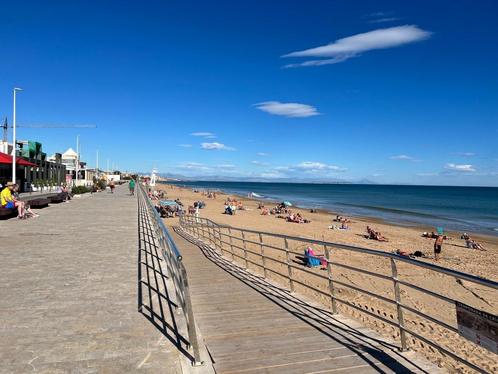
465, 236
229, 210
265, 212
344, 226
438, 247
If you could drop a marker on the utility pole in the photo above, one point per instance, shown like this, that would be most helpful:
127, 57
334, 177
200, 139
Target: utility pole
14, 138
97, 165
77, 158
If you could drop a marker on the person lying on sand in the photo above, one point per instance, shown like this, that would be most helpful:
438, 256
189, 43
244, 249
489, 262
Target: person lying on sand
375, 235
472, 244
341, 219
297, 218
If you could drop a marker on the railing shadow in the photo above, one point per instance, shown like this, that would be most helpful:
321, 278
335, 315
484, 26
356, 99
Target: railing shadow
153, 298
323, 320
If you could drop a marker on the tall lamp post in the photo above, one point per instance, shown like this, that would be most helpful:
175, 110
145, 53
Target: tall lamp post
14, 137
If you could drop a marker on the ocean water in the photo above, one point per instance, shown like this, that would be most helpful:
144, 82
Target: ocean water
454, 208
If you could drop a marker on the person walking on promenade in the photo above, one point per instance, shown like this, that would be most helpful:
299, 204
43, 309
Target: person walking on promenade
112, 186
131, 186
438, 245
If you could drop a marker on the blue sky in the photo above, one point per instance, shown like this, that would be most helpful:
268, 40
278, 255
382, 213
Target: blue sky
390, 91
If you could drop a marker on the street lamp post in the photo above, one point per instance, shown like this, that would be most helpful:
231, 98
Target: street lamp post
14, 137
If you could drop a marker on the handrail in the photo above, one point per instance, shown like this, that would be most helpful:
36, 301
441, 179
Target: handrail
211, 232
439, 269
177, 272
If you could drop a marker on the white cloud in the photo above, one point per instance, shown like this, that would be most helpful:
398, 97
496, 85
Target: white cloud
467, 154
403, 157
463, 167
427, 174
312, 166
272, 175
226, 166
385, 19
193, 166
287, 109
352, 46
259, 163
216, 146
262, 154
203, 134
185, 145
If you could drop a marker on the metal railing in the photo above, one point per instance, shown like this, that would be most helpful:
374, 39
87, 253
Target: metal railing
176, 272
272, 254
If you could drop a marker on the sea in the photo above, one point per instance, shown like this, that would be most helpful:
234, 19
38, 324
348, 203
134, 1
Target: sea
473, 209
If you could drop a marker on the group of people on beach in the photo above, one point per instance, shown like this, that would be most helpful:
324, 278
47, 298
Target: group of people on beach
283, 211
232, 205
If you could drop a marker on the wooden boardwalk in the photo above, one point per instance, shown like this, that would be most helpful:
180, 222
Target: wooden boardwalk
252, 326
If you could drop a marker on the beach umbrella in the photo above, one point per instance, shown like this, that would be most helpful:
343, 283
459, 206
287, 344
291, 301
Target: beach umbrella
287, 203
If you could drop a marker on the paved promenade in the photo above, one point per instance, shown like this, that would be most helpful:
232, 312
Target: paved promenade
68, 294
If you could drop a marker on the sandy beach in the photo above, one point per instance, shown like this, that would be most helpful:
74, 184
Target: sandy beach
455, 256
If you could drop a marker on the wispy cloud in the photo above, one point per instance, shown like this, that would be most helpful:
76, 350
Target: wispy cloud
185, 145
427, 174
226, 166
259, 163
385, 19
216, 147
313, 167
467, 154
467, 168
287, 109
193, 166
262, 154
203, 134
404, 158
352, 46
380, 17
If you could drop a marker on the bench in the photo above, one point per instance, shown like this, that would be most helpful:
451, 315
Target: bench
7, 213
56, 199
38, 203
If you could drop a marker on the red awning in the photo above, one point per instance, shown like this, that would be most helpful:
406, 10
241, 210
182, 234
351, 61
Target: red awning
7, 159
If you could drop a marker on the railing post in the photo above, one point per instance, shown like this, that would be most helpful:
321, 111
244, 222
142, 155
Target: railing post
191, 328
212, 235
397, 296
263, 258
331, 283
220, 240
289, 268
231, 243
245, 248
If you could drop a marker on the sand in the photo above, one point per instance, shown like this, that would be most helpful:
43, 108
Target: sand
454, 256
